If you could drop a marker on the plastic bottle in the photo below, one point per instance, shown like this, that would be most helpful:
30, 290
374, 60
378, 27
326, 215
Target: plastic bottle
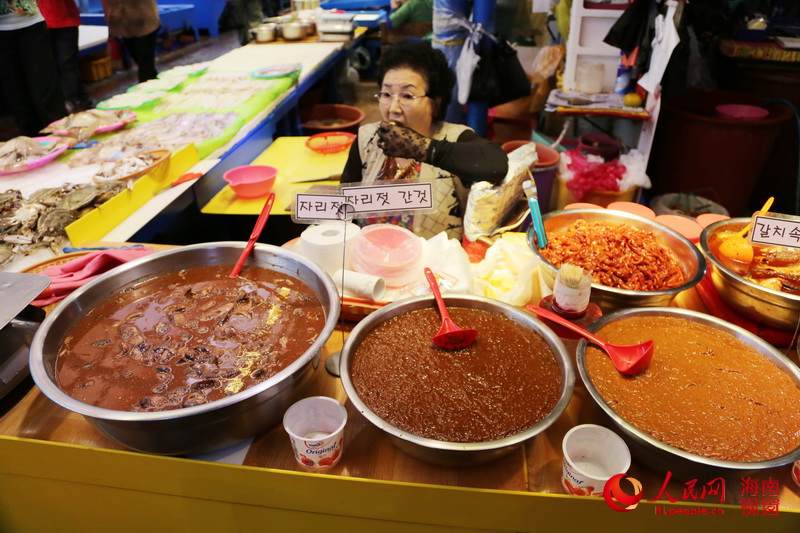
623, 82
570, 299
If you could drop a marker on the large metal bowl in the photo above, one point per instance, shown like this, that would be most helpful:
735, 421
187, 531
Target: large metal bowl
763, 305
456, 453
610, 298
659, 455
203, 427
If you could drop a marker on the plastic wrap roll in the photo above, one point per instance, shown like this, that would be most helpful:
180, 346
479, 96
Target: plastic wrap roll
365, 286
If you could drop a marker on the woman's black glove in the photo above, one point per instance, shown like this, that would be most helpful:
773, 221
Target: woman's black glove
398, 141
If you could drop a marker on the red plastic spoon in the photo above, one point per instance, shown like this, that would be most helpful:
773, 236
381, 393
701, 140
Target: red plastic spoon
628, 359
257, 229
449, 336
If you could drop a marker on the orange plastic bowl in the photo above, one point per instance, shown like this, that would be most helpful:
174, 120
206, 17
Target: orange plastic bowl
251, 181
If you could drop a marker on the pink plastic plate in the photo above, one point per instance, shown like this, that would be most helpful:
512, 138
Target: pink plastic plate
127, 118
742, 112
59, 149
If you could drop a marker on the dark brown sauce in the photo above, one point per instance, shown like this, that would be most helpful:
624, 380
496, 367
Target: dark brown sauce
504, 383
187, 337
705, 391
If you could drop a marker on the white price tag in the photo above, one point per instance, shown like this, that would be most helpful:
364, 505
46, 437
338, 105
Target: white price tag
776, 231
317, 207
390, 197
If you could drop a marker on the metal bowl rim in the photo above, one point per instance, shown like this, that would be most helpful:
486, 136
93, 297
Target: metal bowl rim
655, 226
704, 245
745, 336
54, 392
554, 342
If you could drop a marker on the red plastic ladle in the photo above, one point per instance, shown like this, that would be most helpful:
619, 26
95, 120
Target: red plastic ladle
449, 336
257, 229
628, 359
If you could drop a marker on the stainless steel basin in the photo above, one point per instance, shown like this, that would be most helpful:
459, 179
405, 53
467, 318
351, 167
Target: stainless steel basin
203, 427
456, 453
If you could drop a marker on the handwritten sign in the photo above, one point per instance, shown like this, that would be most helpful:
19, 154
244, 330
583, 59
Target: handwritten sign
776, 231
317, 207
363, 200
388, 198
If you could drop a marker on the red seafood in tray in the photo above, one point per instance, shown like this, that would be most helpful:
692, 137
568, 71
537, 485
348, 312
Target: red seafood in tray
618, 255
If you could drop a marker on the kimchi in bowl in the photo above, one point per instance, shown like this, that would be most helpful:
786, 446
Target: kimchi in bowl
648, 262
765, 290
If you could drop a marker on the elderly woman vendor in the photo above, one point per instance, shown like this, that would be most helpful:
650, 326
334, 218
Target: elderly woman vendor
413, 142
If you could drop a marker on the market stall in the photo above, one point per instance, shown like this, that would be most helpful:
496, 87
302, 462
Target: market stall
373, 474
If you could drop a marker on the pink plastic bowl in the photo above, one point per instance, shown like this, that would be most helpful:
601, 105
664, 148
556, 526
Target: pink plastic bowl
632, 207
581, 205
742, 112
251, 181
687, 227
390, 252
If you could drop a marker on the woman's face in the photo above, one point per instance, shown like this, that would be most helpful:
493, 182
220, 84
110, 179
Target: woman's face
403, 99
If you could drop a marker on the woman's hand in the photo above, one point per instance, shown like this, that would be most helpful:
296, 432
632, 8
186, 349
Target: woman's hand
398, 141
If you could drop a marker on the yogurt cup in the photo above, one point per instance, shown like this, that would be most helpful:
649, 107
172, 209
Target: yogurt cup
592, 454
316, 431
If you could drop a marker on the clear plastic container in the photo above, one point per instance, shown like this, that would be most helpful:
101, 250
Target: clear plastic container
389, 252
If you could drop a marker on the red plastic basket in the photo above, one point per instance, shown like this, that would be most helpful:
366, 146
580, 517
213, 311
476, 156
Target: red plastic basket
330, 142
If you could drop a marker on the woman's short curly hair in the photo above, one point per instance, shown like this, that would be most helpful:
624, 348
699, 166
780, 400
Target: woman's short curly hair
429, 63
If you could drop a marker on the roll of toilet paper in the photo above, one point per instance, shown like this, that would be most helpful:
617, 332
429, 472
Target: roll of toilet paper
325, 243
370, 288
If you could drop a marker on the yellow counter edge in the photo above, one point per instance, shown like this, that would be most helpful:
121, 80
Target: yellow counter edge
52, 487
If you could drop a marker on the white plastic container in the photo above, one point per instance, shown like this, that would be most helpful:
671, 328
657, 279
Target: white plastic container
316, 430
592, 454
589, 77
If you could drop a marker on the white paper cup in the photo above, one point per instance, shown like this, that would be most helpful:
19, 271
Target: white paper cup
316, 430
592, 454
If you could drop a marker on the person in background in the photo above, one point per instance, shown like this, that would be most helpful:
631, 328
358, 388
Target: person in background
413, 142
248, 16
29, 76
412, 19
136, 22
449, 36
411, 11
63, 18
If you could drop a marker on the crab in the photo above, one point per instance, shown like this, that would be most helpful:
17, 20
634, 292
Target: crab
50, 197
54, 221
78, 198
23, 218
21, 237
106, 191
27, 214
10, 200
18, 150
